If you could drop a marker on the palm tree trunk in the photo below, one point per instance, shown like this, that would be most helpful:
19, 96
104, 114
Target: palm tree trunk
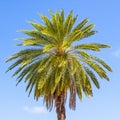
60, 107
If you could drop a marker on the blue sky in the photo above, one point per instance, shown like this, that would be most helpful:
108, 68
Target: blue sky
14, 101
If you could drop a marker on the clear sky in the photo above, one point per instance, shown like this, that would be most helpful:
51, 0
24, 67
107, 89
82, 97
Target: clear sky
105, 14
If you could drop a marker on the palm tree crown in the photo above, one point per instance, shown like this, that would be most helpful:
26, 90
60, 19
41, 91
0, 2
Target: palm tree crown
54, 64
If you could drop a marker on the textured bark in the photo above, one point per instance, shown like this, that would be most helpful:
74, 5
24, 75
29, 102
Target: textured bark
60, 107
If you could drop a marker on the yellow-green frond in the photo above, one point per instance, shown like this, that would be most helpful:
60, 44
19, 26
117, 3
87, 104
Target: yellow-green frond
103, 63
87, 47
38, 26
93, 77
81, 24
87, 28
48, 23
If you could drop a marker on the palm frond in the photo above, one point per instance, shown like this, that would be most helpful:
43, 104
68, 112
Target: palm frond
67, 23
87, 87
81, 24
72, 37
92, 47
88, 34
103, 63
93, 77
87, 28
48, 23
38, 26
98, 69
36, 35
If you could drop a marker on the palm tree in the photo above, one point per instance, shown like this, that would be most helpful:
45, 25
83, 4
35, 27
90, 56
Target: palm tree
55, 63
